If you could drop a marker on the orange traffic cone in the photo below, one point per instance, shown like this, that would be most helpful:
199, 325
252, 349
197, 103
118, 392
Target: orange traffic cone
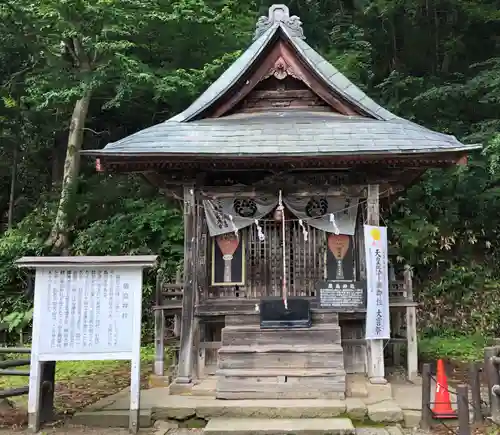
442, 404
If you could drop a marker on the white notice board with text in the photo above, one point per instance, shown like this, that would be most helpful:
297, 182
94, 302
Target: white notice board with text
86, 308
87, 313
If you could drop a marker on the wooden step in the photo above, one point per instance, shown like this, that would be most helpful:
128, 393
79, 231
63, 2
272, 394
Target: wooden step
252, 335
263, 426
281, 356
281, 383
290, 372
318, 318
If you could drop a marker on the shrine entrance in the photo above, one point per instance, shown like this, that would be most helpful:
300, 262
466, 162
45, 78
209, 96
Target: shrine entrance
305, 260
272, 255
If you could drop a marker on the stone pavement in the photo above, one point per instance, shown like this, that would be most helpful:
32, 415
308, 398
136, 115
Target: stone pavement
160, 430
393, 430
397, 406
389, 404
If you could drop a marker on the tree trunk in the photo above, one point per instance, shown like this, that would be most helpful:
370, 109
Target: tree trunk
59, 237
57, 162
12, 196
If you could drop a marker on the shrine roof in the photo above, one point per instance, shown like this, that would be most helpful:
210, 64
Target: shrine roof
283, 132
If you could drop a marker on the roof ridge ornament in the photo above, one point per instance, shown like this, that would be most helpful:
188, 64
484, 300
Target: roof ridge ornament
280, 14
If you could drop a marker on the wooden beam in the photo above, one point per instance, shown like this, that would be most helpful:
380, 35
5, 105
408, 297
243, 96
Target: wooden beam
165, 162
356, 176
171, 178
411, 329
200, 269
159, 364
185, 368
202, 256
375, 348
251, 192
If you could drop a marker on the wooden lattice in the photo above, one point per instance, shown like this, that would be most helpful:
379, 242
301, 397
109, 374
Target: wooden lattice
305, 262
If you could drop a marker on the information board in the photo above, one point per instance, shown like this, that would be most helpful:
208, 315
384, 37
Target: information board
343, 295
86, 308
87, 311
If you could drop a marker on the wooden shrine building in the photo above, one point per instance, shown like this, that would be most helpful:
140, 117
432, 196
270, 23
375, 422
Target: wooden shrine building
280, 162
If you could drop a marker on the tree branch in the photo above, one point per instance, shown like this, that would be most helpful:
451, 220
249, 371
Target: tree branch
96, 132
83, 59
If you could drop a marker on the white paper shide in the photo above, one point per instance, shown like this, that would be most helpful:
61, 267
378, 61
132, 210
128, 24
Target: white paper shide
377, 277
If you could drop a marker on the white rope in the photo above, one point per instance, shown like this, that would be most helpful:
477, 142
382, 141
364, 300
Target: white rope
260, 233
235, 229
336, 230
304, 230
282, 211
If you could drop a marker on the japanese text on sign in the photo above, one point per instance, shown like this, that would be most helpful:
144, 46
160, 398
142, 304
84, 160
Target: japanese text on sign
341, 295
86, 310
377, 307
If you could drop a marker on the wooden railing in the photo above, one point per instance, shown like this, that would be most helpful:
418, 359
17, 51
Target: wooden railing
47, 381
168, 310
167, 313
6, 367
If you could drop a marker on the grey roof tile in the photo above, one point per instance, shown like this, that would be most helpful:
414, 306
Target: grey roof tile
287, 132
283, 133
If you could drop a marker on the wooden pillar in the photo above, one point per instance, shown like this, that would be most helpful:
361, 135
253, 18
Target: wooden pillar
493, 379
396, 328
177, 317
202, 283
411, 329
200, 349
375, 348
159, 364
426, 421
185, 367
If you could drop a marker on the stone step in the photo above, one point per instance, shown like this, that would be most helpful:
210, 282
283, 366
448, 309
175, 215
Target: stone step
295, 426
281, 356
281, 384
290, 372
239, 390
205, 387
252, 335
318, 318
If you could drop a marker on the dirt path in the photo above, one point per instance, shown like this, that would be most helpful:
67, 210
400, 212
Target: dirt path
82, 430
76, 430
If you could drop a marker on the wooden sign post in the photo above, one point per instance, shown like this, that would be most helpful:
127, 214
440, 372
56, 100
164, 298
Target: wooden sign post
86, 308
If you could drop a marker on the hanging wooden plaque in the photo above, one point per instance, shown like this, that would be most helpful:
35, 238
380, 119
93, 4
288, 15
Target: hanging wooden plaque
340, 257
228, 259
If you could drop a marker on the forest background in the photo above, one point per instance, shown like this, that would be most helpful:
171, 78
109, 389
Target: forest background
81, 73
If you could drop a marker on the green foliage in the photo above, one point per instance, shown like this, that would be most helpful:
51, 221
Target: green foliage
16, 321
453, 347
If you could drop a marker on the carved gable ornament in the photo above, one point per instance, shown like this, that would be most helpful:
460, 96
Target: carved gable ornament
281, 69
280, 14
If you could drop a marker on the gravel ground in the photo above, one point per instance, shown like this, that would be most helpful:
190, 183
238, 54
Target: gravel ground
81, 430
76, 430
